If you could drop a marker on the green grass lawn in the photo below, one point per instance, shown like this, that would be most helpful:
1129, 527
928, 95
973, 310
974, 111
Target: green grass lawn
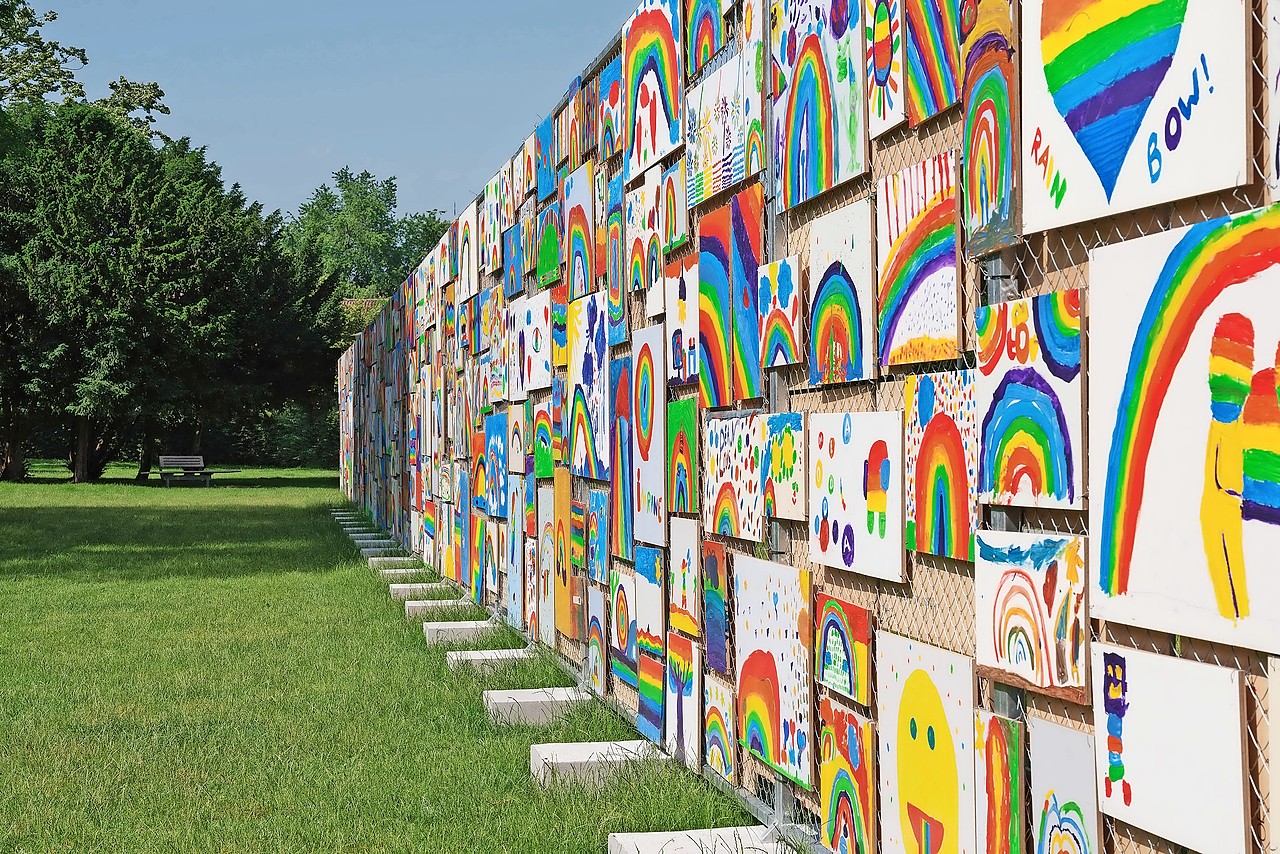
215, 669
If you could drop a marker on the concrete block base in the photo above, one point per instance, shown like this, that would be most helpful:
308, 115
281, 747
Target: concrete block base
532, 705
724, 840
456, 630
585, 761
419, 608
486, 659
395, 563
402, 574
401, 592
379, 551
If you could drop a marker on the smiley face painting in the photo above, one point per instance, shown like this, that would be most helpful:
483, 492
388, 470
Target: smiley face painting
925, 708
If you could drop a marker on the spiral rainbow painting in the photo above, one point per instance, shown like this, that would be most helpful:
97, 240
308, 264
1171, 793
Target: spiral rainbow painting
886, 96
653, 74
841, 279
747, 211
705, 33
847, 779
990, 94
649, 434
719, 738
941, 464
773, 650
682, 455
622, 627
621, 535
843, 661
933, 57
609, 119
818, 98
579, 238
918, 294
715, 316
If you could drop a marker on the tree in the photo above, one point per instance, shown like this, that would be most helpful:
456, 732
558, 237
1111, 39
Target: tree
31, 67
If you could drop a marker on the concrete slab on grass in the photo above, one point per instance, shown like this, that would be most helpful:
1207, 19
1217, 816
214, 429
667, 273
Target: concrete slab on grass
585, 761
419, 591
401, 562
401, 575
532, 705
724, 840
451, 631
381, 551
420, 608
485, 659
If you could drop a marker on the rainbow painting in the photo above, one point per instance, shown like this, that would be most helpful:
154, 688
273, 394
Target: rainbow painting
819, 101
542, 460
513, 261
529, 240
747, 211
614, 278
720, 746
653, 75
941, 464
559, 439
468, 253
621, 531
578, 534
609, 119
1000, 751
682, 322
651, 601
990, 91
682, 455
600, 201
684, 598
918, 293
773, 649
715, 595
649, 435
622, 627
715, 317
847, 780
673, 215
843, 661
545, 158
568, 602
704, 33
1185, 432
644, 246
475, 571
841, 283
781, 319
495, 457
597, 650
882, 30
733, 495
1030, 395
598, 535
549, 250
933, 57
651, 676
579, 239
588, 373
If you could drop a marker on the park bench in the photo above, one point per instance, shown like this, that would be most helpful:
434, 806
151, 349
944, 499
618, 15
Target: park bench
188, 469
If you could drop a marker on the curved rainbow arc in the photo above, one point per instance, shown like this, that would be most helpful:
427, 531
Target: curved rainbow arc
645, 402
638, 266
714, 322
1210, 259
942, 491
680, 474
718, 751
833, 618
650, 46
670, 216
991, 324
835, 329
845, 825
583, 442
988, 134
778, 342
745, 217
705, 32
759, 708
926, 246
724, 512
933, 57
1021, 636
1025, 441
807, 164
1057, 322
578, 241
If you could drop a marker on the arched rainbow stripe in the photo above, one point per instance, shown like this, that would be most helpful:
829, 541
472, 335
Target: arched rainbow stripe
549, 250
926, 246
942, 523
846, 826
644, 401
725, 510
596, 650
746, 211
580, 249
833, 626
1057, 322
670, 214
653, 262
680, 474
610, 110
933, 57
638, 277
807, 159
759, 713
988, 137
542, 436
1021, 635
1025, 442
835, 329
621, 538
583, 442
651, 47
715, 323
718, 753
754, 147
705, 33
1211, 258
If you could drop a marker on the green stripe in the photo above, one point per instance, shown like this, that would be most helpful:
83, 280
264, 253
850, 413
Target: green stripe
1111, 39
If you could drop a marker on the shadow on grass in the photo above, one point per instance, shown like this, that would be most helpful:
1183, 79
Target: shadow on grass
100, 543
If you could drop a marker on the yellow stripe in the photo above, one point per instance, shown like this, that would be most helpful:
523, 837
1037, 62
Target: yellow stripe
1100, 14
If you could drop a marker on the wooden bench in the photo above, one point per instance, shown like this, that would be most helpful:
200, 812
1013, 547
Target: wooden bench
187, 469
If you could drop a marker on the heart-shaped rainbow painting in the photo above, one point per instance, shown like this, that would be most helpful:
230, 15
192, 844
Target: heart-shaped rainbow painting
1104, 60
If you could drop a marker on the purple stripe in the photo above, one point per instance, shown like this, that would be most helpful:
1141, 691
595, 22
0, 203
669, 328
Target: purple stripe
1253, 511
1135, 88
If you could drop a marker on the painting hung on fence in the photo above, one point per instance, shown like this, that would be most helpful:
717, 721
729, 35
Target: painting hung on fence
643, 260
468, 254
847, 779
622, 627
545, 158
588, 372
653, 80
746, 210
941, 462
704, 33
533, 340
682, 705
550, 252
578, 534
684, 612
621, 516
615, 272
673, 215
495, 444
715, 609
719, 737
651, 600
1064, 796
918, 295
715, 309
886, 88
1032, 611
649, 435
924, 701
682, 323
1183, 540
514, 562
1031, 402
682, 455
547, 565
781, 306
1142, 703
733, 499
991, 109
933, 57
567, 611
1163, 119
652, 689
1000, 762
773, 646
598, 535
856, 509
725, 143
512, 261
609, 120
783, 473
819, 105
597, 651
579, 235
843, 661
841, 343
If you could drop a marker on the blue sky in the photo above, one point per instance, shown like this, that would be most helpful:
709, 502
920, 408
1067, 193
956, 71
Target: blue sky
284, 93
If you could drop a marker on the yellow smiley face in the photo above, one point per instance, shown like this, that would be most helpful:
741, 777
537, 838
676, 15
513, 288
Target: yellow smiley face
928, 783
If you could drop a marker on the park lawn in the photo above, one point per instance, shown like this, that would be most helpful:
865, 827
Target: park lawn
215, 669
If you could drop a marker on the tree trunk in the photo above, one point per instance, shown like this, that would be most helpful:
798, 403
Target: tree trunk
81, 451
148, 453
13, 466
